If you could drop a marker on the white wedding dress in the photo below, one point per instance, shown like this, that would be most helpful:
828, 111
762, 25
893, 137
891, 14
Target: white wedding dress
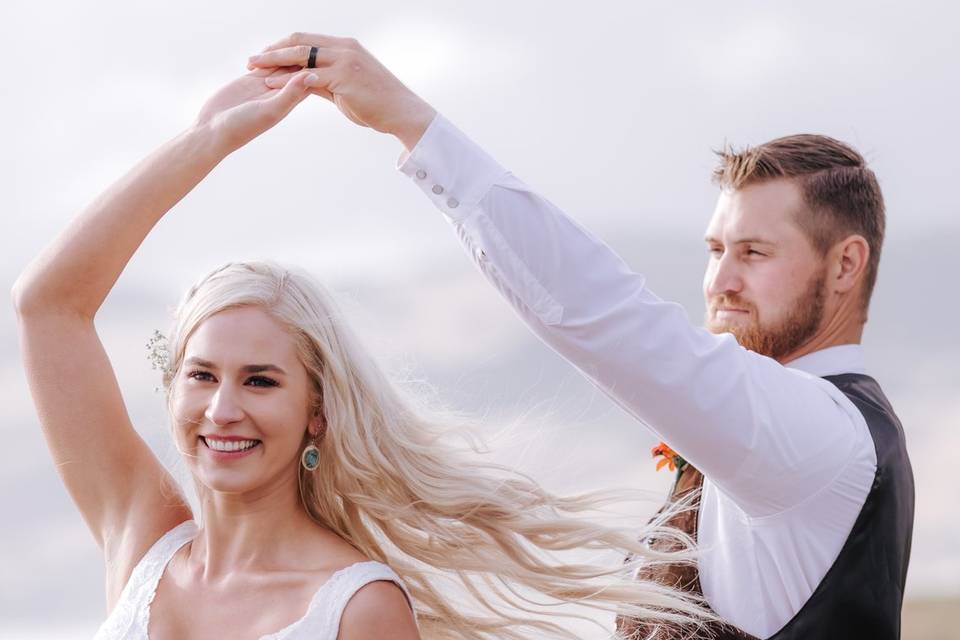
130, 618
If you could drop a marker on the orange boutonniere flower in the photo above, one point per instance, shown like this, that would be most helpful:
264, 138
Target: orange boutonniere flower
670, 458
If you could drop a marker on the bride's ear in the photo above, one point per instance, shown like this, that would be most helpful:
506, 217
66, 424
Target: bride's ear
317, 424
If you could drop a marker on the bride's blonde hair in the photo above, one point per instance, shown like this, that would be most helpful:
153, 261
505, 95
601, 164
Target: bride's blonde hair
393, 487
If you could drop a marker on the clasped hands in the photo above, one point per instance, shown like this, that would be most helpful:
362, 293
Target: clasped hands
351, 78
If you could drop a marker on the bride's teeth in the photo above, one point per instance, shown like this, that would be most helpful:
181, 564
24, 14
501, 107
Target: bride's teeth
229, 445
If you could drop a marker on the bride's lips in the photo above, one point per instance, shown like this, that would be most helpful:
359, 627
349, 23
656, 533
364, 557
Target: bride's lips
217, 454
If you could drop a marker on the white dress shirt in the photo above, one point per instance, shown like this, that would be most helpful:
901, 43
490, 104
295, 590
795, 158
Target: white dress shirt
788, 460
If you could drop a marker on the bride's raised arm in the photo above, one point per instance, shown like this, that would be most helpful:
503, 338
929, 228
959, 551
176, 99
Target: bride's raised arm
123, 492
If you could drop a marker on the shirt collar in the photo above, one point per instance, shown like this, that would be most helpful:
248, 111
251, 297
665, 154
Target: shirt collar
844, 358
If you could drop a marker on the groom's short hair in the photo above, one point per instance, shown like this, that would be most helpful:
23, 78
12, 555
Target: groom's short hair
841, 193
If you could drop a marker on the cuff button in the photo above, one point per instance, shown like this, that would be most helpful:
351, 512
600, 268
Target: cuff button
437, 189
421, 174
453, 203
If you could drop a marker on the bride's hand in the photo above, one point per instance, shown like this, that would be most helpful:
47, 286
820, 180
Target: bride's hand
246, 107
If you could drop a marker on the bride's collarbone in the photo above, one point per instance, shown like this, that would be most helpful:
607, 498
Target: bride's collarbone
245, 608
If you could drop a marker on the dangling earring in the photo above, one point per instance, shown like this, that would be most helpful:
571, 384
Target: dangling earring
310, 458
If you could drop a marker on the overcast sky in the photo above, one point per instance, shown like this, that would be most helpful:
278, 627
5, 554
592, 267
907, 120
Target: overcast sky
610, 109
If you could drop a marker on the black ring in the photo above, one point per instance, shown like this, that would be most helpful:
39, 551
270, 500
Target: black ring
312, 60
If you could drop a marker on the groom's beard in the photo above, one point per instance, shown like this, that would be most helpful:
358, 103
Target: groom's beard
782, 338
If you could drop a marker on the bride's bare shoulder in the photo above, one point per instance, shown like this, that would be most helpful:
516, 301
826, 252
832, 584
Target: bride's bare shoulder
378, 610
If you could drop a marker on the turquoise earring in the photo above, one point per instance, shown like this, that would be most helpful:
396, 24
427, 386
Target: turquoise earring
310, 458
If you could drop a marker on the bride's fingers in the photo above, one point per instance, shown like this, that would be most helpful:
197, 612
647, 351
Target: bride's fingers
292, 56
282, 71
277, 79
280, 79
292, 93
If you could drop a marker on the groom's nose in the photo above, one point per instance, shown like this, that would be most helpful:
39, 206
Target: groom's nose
723, 276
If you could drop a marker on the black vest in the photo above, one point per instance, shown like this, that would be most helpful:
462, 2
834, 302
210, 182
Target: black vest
862, 593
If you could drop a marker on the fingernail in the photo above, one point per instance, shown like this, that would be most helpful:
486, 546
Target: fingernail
254, 57
311, 78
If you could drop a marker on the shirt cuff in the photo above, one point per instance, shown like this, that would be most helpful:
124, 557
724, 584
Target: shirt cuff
453, 171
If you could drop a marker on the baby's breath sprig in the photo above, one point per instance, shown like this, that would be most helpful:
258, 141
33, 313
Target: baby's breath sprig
158, 351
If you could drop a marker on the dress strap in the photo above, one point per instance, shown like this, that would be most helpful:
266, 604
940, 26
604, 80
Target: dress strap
130, 615
354, 578
322, 619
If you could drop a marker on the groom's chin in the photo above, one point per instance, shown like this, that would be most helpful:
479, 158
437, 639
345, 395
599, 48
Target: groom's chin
720, 326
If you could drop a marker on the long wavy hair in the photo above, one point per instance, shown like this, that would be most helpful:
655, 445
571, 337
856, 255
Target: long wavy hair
477, 544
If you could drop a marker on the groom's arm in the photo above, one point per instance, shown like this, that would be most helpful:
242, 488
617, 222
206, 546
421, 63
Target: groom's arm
768, 435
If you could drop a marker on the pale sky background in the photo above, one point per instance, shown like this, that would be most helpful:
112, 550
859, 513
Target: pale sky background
610, 109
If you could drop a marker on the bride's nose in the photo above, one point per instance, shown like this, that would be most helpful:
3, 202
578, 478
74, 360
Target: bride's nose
223, 407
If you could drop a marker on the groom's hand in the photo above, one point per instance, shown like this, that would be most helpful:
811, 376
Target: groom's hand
350, 77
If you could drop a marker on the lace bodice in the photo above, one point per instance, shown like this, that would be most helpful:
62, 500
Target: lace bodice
131, 616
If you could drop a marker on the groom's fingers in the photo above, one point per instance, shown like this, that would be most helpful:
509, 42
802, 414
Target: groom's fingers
293, 56
309, 39
267, 72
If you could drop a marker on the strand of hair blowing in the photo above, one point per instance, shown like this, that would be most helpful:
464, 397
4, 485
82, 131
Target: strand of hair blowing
392, 485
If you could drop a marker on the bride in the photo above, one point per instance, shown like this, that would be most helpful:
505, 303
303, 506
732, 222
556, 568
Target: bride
329, 507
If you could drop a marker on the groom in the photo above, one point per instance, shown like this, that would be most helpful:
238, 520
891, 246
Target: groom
806, 506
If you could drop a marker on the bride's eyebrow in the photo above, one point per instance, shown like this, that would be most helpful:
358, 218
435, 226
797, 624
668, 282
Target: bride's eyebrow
257, 368
250, 368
